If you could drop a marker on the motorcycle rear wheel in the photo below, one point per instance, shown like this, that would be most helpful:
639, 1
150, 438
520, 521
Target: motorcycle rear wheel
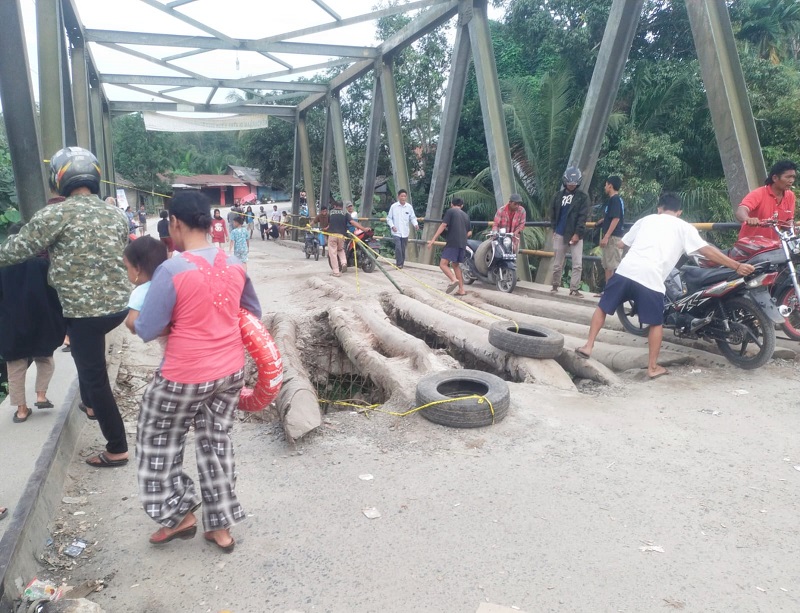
483, 257
466, 273
506, 279
367, 263
791, 325
749, 325
628, 316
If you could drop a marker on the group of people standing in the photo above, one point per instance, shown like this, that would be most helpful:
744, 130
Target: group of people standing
190, 301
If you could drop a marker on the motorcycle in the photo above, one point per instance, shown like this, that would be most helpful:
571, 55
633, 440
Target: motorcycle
311, 244
715, 304
782, 253
358, 251
492, 261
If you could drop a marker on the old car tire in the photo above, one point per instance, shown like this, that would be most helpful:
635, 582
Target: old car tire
469, 413
482, 255
529, 341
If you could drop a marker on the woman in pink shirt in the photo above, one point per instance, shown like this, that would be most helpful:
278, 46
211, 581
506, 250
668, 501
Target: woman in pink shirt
195, 297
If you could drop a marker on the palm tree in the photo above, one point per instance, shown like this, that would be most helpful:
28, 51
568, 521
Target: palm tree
771, 27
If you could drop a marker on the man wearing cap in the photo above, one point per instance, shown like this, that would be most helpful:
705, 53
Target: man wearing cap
512, 218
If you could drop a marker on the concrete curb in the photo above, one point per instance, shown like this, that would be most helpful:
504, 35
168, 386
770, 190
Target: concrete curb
41, 498
25, 537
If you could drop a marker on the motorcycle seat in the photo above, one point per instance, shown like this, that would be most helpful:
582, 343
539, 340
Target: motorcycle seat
775, 257
473, 244
696, 277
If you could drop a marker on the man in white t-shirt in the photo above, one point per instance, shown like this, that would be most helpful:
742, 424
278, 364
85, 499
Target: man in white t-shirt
400, 218
656, 243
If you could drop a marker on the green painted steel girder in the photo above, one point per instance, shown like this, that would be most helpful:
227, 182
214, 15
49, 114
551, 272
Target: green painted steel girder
731, 113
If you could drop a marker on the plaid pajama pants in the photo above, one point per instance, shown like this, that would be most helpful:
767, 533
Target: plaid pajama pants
168, 410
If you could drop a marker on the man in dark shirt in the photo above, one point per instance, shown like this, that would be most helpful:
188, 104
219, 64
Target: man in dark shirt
457, 224
568, 212
336, 229
613, 219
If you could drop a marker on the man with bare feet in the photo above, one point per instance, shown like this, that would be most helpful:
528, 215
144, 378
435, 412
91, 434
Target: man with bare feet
456, 223
656, 244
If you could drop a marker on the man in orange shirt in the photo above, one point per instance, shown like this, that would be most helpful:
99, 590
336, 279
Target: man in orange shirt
775, 198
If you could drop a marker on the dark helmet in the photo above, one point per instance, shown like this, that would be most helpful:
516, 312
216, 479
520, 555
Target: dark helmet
74, 167
572, 175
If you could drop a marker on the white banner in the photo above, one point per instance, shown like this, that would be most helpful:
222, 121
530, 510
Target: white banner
161, 122
122, 199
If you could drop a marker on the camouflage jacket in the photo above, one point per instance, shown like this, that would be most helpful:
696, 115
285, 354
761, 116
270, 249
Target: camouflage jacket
85, 238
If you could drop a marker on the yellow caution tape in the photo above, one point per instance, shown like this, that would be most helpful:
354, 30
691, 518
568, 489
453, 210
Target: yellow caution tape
365, 408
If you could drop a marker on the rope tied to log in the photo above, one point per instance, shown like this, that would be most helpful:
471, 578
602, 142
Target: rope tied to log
366, 408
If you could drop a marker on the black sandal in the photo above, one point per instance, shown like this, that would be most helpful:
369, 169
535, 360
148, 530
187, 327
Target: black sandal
82, 408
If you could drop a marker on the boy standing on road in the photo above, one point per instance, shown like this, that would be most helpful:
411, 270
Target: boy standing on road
400, 218
337, 228
456, 222
656, 244
142, 220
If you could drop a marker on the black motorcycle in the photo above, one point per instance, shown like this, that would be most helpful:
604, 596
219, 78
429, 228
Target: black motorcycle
783, 255
715, 304
356, 251
492, 261
311, 245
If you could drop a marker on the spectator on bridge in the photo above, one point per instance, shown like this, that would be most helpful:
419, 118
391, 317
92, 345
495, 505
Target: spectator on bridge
400, 218
337, 229
31, 328
321, 221
250, 220
218, 230
197, 294
263, 223
457, 224
775, 200
275, 217
163, 232
568, 213
85, 239
512, 217
142, 220
612, 227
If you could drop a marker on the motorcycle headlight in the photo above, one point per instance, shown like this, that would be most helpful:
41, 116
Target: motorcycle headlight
507, 242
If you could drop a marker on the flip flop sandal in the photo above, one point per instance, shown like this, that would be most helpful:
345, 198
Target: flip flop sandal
44, 405
82, 409
160, 537
226, 549
451, 288
581, 354
3, 513
18, 420
103, 461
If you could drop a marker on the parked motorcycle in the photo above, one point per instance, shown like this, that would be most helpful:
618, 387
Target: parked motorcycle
311, 244
783, 253
714, 304
492, 261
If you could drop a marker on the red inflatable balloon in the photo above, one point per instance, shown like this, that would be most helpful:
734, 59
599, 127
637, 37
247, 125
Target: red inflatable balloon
261, 347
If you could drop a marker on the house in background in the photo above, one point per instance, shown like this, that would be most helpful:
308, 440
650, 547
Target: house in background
128, 195
222, 190
252, 177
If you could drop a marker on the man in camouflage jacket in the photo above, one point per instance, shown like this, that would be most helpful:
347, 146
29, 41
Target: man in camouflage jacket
85, 238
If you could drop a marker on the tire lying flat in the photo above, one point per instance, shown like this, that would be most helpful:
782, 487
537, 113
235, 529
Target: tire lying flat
469, 413
529, 341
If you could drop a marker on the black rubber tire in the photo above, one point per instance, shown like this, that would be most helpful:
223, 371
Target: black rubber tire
367, 263
506, 279
467, 275
627, 314
308, 253
791, 325
463, 413
482, 254
529, 341
742, 310
316, 253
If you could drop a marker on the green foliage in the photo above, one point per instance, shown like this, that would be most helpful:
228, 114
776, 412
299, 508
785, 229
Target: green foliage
140, 156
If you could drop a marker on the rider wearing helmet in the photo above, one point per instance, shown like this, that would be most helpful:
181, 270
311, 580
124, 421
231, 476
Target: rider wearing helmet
85, 238
569, 211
